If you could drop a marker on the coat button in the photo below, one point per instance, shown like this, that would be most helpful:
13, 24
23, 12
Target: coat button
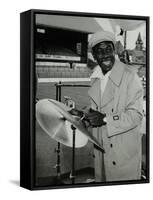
114, 163
111, 145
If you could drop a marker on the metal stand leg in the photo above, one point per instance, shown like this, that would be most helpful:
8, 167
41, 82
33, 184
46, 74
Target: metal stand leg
58, 165
72, 175
57, 150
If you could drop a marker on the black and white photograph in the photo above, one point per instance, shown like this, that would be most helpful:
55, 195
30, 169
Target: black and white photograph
90, 99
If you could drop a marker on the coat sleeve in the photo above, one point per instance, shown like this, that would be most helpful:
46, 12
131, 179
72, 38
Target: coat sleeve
131, 116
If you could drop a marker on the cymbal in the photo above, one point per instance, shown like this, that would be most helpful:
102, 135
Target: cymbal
54, 124
56, 121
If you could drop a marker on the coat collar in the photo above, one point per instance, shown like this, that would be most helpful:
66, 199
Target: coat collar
115, 76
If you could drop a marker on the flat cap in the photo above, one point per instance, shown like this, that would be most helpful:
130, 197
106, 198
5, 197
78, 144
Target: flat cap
101, 36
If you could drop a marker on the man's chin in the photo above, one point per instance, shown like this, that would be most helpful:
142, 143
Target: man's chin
105, 68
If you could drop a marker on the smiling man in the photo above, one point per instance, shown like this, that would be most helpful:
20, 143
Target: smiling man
116, 113
103, 52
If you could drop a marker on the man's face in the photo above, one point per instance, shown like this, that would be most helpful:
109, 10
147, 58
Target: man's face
105, 55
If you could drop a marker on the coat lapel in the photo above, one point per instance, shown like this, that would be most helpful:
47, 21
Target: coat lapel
108, 94
94, 91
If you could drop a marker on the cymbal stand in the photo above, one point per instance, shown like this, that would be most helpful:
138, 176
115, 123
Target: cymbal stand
72, 175
57, 150
58, 98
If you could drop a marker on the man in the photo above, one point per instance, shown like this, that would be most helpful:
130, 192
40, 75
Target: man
116, 114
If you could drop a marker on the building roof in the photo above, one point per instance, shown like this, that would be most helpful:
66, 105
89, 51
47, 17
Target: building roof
75, 23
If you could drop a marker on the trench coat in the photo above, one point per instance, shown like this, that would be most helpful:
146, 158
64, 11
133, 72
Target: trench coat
121, 138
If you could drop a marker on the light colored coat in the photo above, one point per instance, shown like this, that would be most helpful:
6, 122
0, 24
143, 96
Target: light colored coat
121, 138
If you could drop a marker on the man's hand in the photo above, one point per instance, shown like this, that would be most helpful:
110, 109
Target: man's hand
95, 118
76, 112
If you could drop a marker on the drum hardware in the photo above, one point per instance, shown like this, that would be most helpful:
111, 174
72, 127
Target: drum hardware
72, 174
58, 165
57, 180
55, 119
69, 102
59, 124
